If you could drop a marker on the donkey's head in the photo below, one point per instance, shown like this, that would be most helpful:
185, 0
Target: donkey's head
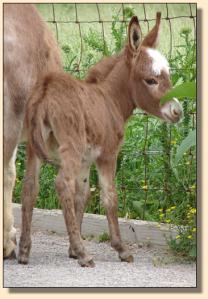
149, 76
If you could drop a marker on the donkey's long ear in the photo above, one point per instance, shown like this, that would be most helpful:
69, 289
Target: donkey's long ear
134, 34
151, 40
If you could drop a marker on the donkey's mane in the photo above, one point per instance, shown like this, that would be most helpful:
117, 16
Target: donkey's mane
103, 68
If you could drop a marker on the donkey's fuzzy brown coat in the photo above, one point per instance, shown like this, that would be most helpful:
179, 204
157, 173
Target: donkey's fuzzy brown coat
84, 121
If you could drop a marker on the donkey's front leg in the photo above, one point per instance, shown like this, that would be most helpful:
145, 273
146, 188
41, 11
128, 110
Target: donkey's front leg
106, 170
29, 195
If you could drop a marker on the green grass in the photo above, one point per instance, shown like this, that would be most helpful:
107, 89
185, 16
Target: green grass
104, 237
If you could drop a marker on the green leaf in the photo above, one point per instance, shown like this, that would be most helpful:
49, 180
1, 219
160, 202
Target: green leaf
187, 89
186, 144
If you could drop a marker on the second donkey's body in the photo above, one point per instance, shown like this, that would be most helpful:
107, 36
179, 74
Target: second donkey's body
30, 52
84, 122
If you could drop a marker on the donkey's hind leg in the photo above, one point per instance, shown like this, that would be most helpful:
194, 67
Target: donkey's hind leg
82, 195
65, 185
12, 129
106, 170
29, 195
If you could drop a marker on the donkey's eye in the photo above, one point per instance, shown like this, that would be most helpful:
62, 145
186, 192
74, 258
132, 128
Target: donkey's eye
151, 81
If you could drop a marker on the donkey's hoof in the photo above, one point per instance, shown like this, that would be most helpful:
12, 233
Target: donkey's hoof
87, 263
126, 257
22, 259
72, 254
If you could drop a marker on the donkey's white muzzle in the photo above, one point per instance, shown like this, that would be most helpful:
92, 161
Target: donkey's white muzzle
172, 111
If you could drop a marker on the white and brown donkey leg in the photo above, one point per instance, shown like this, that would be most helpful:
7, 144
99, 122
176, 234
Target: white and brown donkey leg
29, 196
9, 230
12, 128
66, 188
106, 170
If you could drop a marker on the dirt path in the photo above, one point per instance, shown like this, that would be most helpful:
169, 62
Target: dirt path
50, 266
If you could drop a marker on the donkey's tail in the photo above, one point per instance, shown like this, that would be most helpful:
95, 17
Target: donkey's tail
37, 129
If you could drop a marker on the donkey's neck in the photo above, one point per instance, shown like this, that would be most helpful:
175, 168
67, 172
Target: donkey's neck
116, 89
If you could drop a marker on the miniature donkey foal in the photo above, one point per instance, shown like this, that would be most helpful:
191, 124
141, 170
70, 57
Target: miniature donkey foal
85, 121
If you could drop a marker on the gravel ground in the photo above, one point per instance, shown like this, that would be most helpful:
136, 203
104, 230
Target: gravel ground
49, 266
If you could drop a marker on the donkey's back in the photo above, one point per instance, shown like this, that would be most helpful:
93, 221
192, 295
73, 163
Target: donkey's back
29, 51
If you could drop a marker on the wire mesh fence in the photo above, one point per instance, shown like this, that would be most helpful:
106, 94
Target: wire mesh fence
64, 17
146, 178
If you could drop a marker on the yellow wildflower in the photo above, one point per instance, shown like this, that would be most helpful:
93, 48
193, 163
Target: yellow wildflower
193, 211
189, 237
168, 220
144, 187
194, 229
177, 237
